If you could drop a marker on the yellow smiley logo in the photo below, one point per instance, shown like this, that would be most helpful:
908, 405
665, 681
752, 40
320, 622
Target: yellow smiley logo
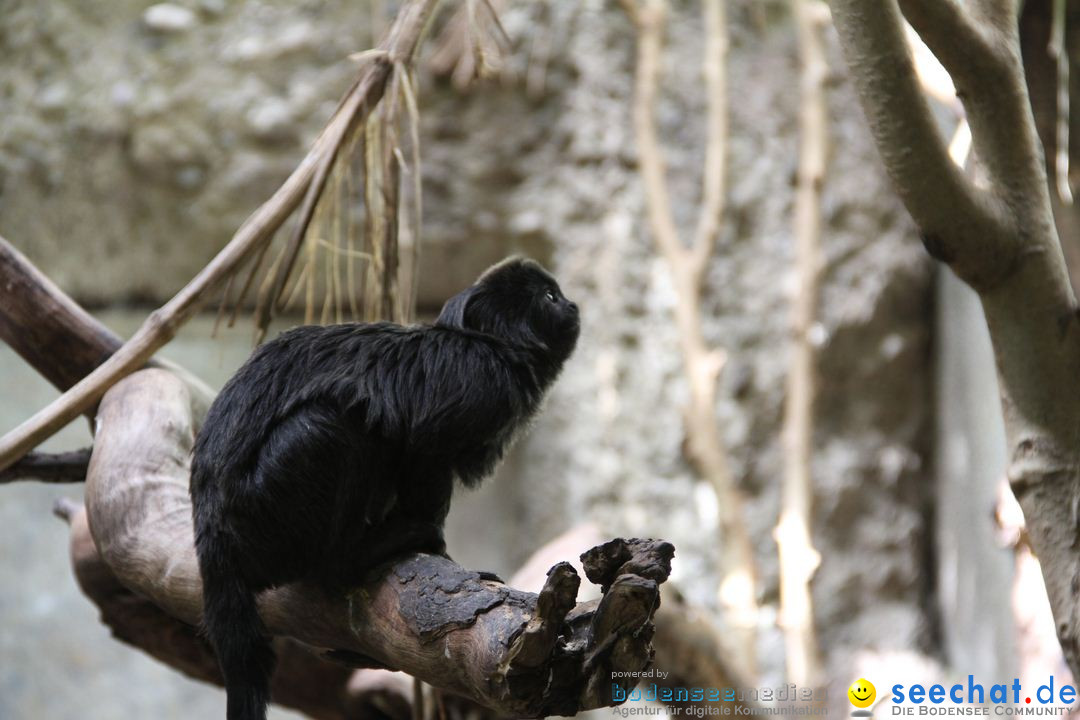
862, 693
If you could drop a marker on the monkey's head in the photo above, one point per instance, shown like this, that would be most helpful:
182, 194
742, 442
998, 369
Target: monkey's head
518, 301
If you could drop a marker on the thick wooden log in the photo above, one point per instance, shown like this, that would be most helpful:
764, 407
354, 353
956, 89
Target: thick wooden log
316, 687
521, 654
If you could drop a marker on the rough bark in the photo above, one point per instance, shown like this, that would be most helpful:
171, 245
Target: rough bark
1000, 238
689, 646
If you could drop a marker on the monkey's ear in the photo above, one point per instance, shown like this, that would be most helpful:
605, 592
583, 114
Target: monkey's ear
453, 312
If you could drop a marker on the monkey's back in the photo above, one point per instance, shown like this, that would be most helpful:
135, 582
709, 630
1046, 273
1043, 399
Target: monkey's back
331, 437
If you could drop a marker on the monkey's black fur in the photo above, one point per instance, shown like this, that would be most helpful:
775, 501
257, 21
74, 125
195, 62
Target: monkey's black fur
335, 448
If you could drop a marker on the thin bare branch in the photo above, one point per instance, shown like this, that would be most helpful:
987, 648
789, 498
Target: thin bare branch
798, 558
413, 111
704, 442
375, 217
221, 306
715, 168
391, 305
651, 23
1058, 50
64, 467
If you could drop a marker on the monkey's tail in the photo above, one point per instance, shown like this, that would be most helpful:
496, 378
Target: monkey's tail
233, 625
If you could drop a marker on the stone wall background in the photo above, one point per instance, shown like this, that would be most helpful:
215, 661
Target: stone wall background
136, 138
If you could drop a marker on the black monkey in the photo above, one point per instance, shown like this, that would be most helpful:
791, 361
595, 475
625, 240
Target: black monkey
335, 448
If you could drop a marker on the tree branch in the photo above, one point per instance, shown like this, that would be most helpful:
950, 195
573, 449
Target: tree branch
1001, 14
981, 52
714, 171
798, 558
954, 217
45, 327
957, 42
52, 333
1016, 265
257, 230
303, 681
517, 653
1037, 30
1059, 49
651, 21
65, 467
688, 266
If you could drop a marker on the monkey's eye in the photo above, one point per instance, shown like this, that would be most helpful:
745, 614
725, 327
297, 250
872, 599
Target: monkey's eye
550, 295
